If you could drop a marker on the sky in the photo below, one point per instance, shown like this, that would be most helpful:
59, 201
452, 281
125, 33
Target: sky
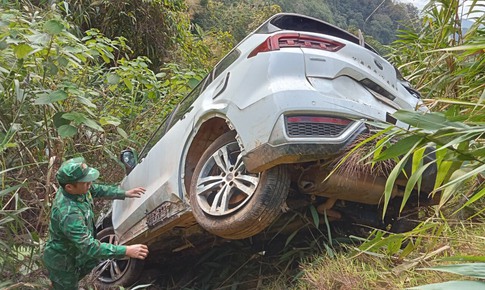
418, 3
421, 3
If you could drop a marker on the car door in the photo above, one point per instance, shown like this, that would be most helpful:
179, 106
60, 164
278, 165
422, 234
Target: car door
158, 172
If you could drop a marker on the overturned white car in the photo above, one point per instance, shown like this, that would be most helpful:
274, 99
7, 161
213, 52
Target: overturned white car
270, 118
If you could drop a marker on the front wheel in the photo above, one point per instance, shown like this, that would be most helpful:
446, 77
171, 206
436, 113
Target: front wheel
230, 202
116, 272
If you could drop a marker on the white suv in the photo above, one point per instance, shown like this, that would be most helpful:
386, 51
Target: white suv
273, 115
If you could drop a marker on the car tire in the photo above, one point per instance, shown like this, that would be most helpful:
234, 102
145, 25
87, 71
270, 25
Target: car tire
112, 273
230, 202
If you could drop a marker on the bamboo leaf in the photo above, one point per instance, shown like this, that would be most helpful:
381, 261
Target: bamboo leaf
85, 101
429, 121
4, 146
415, 177
407, 250
6, 220
418, 159
474, 198
122, 132
290, 237
452, 285
141, 286
444, 167
465, 258
475, 270
452, 190
478, 152
482, 97
10, 189
391, 180
379, 147
464, 177
110, 120
315, 216
401, 147
128, 84
479, 46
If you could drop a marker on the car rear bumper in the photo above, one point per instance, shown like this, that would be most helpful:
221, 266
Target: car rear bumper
285, 150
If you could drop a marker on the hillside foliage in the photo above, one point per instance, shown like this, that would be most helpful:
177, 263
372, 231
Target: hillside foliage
377, 19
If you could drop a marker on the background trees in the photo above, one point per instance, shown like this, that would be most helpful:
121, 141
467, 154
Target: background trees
65, 91
376, 18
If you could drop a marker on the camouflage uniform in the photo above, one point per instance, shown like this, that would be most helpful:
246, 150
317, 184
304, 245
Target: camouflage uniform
72, 250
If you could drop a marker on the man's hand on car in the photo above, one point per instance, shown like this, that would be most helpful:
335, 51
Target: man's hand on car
138, 251
135, 192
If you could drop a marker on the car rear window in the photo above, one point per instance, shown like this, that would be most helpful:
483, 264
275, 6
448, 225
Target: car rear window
304, 23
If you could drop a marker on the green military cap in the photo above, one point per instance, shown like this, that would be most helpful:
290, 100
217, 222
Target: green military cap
76, 170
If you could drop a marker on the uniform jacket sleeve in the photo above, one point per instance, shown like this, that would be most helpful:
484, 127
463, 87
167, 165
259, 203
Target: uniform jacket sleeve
76, 230
107, 191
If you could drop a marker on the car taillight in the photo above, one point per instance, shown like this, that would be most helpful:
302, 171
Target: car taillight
283, 40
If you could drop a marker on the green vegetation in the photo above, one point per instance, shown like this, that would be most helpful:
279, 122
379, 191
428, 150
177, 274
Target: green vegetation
93, 77
62, 95
441, 59
375, 18
237, 18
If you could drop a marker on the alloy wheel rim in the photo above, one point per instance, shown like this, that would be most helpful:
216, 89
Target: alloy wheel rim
111, 270
223, 185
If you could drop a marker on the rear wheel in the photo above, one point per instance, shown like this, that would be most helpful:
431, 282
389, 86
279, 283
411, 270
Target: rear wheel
116, 272
230, 202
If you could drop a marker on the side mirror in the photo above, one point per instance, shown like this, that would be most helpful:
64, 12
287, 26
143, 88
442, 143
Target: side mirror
129, 158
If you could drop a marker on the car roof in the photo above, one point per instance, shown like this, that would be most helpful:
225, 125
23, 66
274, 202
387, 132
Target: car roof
298, 22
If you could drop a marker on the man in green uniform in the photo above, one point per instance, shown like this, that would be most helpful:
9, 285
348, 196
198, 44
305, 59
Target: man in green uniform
72, 250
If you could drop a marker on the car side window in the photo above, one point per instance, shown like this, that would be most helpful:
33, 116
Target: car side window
221, 67
226, 62
176, 114
185, 105
161, 130
208, 79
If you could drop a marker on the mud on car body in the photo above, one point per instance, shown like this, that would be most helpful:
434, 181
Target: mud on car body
270, 118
